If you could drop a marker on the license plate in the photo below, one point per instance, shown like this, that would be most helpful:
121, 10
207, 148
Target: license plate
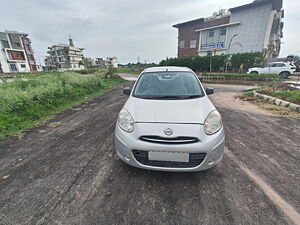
169, 156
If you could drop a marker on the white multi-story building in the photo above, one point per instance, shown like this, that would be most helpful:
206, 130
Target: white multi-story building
16, 55
64, 57
254, 27
111, 62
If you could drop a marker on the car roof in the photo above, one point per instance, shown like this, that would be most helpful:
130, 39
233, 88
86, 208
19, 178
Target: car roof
167, 68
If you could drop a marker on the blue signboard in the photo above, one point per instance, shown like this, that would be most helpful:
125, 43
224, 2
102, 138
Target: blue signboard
211, 46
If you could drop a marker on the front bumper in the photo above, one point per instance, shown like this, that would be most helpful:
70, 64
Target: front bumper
212, 146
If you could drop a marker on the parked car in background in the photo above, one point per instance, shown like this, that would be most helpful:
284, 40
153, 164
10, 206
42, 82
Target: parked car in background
169, 124
284, 69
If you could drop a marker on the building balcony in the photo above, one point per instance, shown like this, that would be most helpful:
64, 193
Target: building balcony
16, 60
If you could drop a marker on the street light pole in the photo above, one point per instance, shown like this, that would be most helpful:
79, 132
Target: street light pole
229, 46
211, 59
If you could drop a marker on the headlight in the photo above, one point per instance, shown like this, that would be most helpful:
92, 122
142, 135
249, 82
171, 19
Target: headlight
213, 123
126, 121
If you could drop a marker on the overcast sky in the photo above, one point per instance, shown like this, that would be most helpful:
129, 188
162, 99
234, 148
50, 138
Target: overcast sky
123, 28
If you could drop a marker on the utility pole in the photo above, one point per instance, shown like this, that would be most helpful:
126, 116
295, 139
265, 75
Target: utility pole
211, 59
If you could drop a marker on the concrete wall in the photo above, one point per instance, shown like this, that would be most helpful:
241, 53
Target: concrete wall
187, 32
205, 39
207, 42
252, 31
3, 59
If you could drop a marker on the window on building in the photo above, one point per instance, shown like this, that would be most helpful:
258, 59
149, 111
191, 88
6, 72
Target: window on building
17, 44
223, 31
13, 68
211, 33
5, 44
193, 44
60, 52
23, 66
20, 55
181, 44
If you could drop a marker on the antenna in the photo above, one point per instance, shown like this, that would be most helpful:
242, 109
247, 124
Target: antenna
71, 43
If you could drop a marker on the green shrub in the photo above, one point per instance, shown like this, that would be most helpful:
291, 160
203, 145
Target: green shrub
217, 62
17, 96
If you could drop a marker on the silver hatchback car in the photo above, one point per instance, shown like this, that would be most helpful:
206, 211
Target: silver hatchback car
169, 124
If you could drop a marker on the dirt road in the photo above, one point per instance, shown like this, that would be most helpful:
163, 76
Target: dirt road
66, 172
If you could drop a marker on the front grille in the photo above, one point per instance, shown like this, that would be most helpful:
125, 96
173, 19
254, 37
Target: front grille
163, 140
195, 159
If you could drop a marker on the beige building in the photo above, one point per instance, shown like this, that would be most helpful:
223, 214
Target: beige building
111, 62
64, 57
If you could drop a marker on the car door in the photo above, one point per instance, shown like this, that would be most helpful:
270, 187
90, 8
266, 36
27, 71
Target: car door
277, 68
265, 69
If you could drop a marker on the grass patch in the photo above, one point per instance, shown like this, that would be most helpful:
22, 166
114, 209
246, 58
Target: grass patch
24, 104
277, 110
28, 75
129, 70
271, 108
86, 71
236, 82
241, 75
286, 95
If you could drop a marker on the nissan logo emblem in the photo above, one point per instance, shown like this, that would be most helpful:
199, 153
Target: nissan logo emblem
168, 131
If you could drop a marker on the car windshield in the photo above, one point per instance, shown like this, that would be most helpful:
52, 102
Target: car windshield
168, 85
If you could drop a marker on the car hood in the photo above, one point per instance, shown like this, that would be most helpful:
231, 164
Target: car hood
169, 111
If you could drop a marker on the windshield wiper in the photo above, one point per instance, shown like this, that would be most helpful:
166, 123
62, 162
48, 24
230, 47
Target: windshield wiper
170, 97
191, 96
159, 97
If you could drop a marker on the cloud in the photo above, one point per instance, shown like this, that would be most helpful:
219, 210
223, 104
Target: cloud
127, 29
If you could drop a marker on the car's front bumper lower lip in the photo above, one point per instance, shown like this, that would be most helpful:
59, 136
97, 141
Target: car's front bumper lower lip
213, 147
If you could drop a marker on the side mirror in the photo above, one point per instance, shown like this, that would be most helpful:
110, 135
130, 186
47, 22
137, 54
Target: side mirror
126, 91
209, 91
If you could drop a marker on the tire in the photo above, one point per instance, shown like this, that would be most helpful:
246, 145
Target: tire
285, 75
254, 72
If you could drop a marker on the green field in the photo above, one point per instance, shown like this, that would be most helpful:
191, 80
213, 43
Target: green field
24, 104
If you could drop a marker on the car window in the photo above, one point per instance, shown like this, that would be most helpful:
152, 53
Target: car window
278, 65
268, 65
167, 85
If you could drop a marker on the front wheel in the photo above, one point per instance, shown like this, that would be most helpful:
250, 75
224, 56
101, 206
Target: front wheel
284, 75
254, 72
